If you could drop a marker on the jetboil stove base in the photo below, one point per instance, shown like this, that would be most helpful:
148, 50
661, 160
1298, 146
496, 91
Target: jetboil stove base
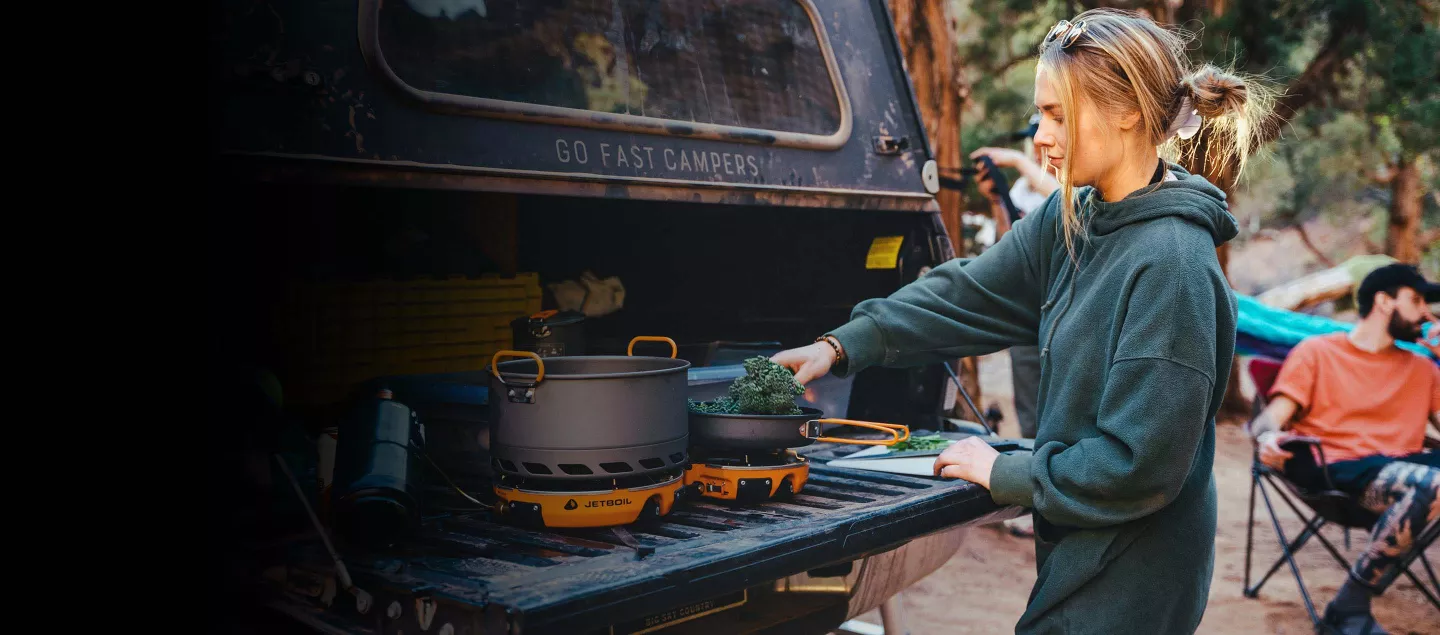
747, 478
555, 504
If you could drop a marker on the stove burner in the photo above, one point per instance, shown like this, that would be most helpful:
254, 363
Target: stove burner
544, 503
747, 477
540, 484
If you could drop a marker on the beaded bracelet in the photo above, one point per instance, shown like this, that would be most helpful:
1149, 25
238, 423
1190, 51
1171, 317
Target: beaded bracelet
835, 344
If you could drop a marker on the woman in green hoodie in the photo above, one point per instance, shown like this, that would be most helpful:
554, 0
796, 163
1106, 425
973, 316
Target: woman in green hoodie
1116, 280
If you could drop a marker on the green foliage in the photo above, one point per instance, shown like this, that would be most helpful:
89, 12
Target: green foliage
1325, 167
927, 442
723, 405
1380, 105
766, 389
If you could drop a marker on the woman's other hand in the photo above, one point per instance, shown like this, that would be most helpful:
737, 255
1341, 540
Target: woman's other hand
970, 459
807, 362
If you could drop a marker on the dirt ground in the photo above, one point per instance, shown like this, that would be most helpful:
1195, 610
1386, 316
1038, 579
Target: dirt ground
951, 601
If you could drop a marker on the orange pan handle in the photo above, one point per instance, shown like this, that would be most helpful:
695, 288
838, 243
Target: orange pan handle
674, 350
898, 433
495, 368
545, 314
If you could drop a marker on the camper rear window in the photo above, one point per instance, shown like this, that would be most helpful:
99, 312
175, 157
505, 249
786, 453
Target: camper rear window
753, 64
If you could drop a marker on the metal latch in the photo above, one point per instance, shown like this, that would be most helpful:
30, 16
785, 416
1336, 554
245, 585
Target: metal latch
810, 429
521, 394
890, 145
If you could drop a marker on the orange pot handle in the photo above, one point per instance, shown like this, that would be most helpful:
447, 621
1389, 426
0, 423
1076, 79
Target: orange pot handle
674, 350
495, 368
895, 431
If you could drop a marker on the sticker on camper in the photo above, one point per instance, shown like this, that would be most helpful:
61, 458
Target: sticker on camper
884, 252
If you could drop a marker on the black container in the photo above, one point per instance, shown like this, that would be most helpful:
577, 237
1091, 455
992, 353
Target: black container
453, 409
550, 333
374, 497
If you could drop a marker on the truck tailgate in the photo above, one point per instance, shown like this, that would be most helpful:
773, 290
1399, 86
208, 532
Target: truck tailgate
480, 576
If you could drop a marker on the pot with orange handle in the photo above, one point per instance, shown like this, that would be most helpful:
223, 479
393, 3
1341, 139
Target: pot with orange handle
591, 417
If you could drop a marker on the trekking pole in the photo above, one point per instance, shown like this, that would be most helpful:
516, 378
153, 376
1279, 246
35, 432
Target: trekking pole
979, 417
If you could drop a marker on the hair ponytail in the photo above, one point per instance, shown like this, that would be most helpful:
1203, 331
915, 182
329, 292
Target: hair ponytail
1233, 111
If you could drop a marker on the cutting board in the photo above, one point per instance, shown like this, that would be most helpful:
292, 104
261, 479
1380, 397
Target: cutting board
912, 466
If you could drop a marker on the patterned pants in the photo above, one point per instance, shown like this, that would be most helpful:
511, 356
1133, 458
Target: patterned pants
1407, 497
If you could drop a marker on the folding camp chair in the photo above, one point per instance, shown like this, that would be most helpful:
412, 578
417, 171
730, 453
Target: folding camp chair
1328, 505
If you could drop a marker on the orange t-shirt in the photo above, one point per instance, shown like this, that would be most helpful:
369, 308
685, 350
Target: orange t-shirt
1356, 402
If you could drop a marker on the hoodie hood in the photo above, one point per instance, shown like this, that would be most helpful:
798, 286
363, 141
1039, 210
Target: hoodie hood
1190, 197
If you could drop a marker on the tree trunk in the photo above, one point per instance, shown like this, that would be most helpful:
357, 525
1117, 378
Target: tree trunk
1402, 236
926, 34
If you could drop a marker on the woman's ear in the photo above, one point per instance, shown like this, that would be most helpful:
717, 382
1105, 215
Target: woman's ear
1129, 121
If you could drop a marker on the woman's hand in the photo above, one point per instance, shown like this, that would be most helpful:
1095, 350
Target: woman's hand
807, 362
970, 459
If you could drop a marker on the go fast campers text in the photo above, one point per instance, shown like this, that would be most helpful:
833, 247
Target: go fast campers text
640, 157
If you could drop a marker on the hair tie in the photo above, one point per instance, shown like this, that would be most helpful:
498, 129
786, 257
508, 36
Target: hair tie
1186, 122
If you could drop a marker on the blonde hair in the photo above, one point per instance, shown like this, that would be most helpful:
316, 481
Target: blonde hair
1123, 62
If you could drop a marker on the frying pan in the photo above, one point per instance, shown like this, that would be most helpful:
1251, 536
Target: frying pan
775, 432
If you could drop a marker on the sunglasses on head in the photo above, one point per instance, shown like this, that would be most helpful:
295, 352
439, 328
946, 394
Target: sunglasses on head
1065, 31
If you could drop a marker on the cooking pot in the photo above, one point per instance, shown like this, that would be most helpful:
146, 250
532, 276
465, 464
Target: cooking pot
588, 417
550, 333
774, 432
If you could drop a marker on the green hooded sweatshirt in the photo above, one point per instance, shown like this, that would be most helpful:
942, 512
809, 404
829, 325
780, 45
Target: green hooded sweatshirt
1136, 336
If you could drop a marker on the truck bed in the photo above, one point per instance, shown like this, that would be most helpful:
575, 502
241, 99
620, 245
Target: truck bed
481, 576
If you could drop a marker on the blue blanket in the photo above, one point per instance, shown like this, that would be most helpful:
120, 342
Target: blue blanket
1286, 328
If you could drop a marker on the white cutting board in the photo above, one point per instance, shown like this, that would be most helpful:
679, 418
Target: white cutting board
912, 466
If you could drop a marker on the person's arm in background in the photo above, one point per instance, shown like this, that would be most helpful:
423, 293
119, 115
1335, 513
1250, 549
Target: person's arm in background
987, 188
1291, 394
997, 209
1269, 431
1039, 181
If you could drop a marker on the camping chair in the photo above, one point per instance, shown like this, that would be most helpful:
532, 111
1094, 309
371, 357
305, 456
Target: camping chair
1328, 505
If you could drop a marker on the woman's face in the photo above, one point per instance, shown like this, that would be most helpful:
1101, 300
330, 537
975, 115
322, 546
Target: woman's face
1097, 148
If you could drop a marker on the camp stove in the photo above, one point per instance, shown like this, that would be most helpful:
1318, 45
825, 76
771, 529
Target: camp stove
746, 477
553, 503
